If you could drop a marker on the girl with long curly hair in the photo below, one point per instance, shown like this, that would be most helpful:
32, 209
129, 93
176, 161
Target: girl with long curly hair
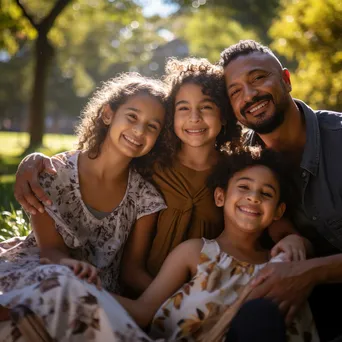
97, 194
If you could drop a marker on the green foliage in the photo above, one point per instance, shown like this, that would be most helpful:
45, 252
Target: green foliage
13, 224
13, 221
93, 40
210, 30
309, 32
251, 14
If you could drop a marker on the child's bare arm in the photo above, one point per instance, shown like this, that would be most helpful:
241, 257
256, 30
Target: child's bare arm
176, 270
281, 229
49, 241
133, 267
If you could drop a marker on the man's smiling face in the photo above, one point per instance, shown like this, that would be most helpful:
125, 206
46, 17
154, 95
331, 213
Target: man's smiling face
258, 89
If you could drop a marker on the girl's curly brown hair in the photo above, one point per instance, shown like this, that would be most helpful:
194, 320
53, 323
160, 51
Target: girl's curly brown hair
210, 78
92, 131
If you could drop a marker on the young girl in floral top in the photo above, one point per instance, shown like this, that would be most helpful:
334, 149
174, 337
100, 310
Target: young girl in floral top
97, 195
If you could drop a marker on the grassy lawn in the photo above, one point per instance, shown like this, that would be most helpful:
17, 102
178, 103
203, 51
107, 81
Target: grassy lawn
12, 145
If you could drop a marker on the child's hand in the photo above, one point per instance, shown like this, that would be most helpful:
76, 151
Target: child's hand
293, 246
81, 269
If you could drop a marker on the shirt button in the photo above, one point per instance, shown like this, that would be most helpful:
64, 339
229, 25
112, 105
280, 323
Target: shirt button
304, 173
314, 218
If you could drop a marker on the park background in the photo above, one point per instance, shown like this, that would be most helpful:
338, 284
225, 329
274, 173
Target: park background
54, 53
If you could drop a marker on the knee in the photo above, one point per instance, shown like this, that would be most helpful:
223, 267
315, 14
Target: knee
258, 320
260, 308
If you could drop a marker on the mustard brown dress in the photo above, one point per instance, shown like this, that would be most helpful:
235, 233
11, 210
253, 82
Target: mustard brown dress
191, 211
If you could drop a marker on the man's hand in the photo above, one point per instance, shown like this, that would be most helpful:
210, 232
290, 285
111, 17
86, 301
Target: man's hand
286, 283
27, 190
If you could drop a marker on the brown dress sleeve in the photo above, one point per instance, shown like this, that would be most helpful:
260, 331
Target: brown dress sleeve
191, 211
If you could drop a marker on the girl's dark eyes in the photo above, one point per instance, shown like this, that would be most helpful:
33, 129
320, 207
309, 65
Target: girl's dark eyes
207, 107
132, 116
182, 108
244, 187
153, 127
267, 194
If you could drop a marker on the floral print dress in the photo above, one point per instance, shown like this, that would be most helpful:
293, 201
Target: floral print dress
97, 241
217, 284
26, 283
64, 308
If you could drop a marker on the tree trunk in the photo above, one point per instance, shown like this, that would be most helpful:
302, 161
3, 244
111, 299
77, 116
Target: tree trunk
44, 53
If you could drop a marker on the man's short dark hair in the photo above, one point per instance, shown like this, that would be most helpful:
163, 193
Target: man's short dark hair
243, 47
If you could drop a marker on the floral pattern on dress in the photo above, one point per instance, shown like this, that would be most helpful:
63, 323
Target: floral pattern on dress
97, 241
64, 308
220, 278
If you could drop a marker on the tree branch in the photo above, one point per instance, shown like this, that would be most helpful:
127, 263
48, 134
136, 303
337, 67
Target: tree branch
48, 21
26, 15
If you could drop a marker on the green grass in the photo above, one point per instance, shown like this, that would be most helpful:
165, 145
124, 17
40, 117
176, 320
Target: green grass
13, 222
13, 144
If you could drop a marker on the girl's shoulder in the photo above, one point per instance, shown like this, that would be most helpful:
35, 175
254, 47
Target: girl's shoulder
66, 167
138, 182
146, 197
66, 160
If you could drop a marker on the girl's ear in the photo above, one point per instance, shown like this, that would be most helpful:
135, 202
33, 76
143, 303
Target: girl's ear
107, 114
279, 211
219, 195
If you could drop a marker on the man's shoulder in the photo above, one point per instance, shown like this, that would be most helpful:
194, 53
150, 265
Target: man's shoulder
329, 120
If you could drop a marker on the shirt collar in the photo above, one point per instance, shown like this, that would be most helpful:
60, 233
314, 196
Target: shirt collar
311, 154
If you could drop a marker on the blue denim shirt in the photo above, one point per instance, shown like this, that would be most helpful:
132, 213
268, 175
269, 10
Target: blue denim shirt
318, 214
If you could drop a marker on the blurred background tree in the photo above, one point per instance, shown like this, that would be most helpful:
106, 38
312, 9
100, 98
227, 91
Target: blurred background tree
86, 39
309, 32
92, 40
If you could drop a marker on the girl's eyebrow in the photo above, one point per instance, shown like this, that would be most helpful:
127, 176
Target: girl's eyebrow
181, 102
252, 180
139, 111
186, 102
134, 109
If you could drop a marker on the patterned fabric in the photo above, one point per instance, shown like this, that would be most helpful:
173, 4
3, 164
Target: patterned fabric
63, 308
68, 309
97, 241
216, 285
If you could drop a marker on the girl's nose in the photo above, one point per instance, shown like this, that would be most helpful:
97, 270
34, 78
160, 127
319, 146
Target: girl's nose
253, 197
195, 115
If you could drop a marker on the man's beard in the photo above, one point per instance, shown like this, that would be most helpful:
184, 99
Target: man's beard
268, 125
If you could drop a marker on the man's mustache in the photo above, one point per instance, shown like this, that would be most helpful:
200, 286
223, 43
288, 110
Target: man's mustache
255, 100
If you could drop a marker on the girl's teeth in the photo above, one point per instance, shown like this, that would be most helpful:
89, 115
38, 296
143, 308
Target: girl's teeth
195, 130
249, 211
132, 141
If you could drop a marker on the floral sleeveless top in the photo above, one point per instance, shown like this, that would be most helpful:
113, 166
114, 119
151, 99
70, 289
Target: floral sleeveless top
216, 285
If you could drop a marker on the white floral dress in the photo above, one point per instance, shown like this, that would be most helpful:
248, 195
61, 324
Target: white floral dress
98, 241
216, 285
68, 309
